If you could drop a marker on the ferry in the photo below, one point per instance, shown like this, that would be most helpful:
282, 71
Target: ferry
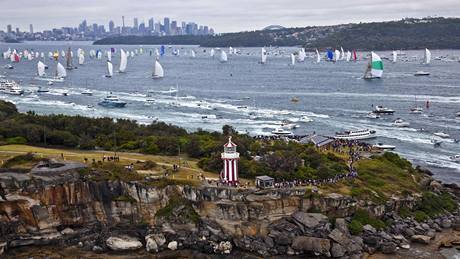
441, 134
356, 134
383, 110
11, 87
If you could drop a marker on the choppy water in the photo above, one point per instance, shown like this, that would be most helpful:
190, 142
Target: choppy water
332, 95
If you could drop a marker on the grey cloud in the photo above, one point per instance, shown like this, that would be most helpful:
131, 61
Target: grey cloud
223, 15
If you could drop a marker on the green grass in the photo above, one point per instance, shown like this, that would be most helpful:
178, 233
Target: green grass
364, 218
26, 161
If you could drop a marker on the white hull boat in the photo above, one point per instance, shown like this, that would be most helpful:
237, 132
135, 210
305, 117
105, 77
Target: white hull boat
356, 135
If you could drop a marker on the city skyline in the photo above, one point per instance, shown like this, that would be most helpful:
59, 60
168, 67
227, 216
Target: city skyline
224, 16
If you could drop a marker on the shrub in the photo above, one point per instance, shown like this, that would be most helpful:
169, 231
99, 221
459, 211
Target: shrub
420, 216
16, 141
364, 218
355, 227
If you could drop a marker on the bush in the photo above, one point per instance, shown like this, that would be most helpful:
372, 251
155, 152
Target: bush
420, 216
355, 227
404, 212
364, 218
433, 204
16, 141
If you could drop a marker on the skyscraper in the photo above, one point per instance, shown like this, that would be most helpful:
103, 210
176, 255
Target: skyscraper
111, 26
167, 27
151, 25
31, 28
9, 28
173, 28
123, 24
136, 24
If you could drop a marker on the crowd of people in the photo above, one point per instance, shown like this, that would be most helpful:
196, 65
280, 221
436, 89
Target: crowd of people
316, 182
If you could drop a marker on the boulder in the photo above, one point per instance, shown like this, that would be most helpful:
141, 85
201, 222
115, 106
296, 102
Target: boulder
369, 228
312, 244
342, 225
97, 249
340, 238
446, 223
421, 239
388, 248
67, 231
2, 247
123, 243
337, 250
309, 220
150, 244
408, 232
172, 245
269, 242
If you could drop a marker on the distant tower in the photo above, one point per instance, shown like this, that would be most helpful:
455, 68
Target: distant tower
31, 28
229, 174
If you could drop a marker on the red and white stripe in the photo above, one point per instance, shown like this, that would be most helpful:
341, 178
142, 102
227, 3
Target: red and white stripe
230, 171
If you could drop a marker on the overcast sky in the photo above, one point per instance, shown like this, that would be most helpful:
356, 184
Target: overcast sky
223, 15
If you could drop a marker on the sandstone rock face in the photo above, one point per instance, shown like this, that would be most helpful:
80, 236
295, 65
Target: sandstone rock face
312, 244
123, 243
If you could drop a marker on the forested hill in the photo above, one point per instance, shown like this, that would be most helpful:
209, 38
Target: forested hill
435, 33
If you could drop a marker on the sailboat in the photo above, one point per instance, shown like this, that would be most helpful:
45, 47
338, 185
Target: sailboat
109, 69
348, 56
68, 56
192, 53
158, 71
330, 55
263, 56
337, 55
427, 57
81, 59
109, 56
123, 61
223, 57
355, 56
374, 67
395, 56
416, 109
302, 55
292, 60
212, 52
343, 54
318, 57
41, 69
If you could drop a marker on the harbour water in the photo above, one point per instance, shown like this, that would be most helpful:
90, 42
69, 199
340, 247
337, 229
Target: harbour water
254, 98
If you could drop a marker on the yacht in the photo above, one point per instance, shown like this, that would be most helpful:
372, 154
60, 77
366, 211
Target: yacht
455, 158
112, 101
305, 119
401, 123
384, 147
281, 131
441, 134
383, 110
42, 90
11, 87
87, 93
356, 134
422, 73
416, 110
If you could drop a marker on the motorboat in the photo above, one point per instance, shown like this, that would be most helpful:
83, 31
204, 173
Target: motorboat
422, 73
112, 101
305, 119
295, 99
401, 123
384, 147
436, 143
356, 134
87, 93
457, 114
383, 110
372, 115
42, 90
416, 110
65, 93
9, 66
281, 131
11, 87
455, 158
441, 134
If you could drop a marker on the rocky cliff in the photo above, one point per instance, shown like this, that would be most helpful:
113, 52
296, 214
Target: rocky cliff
64, 207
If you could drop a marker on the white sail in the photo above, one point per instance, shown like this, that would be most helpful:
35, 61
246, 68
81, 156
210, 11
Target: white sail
158, 71
123, 61
374, 68
348, 56
12, 56
192, 53
30, 57
292, 59
212, 52
427, 56
62, 53
342, 57
318, 56
302, 55
264, 56
42, 55
81, 59
99, 54
337, 55
395, 56
132, 54
223, 56
37, 55
109, 69
41, 69
230, 50
60, 71
157, 52
109, 55
50, 54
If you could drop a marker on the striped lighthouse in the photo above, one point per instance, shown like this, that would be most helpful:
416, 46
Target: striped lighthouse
229, 174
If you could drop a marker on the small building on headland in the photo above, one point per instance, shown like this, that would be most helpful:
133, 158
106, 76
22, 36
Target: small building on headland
265, 182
